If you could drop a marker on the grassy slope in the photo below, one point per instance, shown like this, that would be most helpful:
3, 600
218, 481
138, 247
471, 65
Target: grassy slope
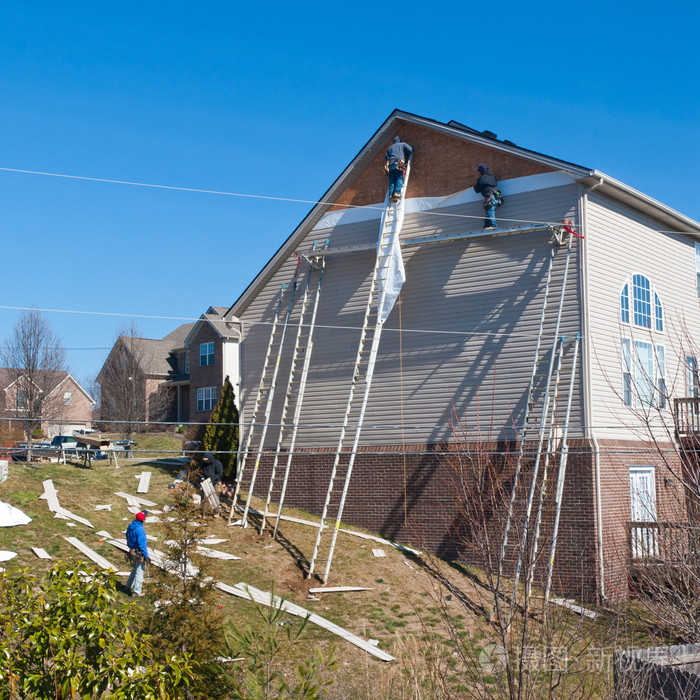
391, 609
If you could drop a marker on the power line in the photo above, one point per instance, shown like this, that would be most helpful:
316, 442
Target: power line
246, 195
251, 324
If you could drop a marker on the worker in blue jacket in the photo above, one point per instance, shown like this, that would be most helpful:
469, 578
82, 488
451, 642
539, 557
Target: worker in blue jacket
138, 553
397, 157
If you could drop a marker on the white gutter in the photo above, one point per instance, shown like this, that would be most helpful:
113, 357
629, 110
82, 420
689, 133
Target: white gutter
588, 392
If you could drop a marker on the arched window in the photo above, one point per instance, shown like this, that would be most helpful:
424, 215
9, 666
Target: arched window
643, 314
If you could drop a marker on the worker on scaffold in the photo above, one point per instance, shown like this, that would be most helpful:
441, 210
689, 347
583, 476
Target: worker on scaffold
397, 157
487, 187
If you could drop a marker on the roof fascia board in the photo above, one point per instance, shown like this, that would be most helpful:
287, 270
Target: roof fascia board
642, 202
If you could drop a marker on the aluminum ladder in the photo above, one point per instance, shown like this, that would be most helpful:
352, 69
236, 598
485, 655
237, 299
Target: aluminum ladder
363, 372
537, 408
294, 396
563, 459
255, 439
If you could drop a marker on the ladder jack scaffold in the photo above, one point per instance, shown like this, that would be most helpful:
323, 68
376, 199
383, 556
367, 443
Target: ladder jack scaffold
363, 372
257, 432
540, 423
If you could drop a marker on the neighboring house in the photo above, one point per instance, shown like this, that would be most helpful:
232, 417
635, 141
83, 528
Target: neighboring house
134, 377
175, 379
67, 406
210, 352
463, 340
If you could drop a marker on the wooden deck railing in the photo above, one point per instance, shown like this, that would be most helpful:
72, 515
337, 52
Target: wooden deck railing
687, 416
661, 542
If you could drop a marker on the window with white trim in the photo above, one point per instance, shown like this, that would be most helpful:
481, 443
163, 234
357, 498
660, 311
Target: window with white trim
692, 385
643, 361
646, 308
67, 398
206, 398
206, 354
643, 373
187, 362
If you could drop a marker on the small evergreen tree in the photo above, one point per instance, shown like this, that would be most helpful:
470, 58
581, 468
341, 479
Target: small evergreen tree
221, 434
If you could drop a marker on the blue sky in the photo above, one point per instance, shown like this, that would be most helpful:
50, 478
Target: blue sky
276, 99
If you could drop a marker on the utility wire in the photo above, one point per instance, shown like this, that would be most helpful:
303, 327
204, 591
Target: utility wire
495, 334
246, 195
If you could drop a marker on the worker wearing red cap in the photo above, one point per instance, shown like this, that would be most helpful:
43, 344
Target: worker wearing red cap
138, 553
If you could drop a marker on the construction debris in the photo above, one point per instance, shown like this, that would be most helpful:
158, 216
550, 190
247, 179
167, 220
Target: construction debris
339, 589
135, 500
379, 552
6, 555
51, 496
144, 482
574, 607
264, 598
91, 554
41, 553
107, 506
11, 516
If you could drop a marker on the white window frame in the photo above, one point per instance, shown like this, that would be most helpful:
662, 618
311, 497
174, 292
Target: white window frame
206, 354
67, 396
644, 541
187, 361
692, 384
206, 398
643, 373
630, 309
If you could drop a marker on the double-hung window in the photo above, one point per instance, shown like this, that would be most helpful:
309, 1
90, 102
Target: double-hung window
206, 354
691, 377
206, 398
643, 356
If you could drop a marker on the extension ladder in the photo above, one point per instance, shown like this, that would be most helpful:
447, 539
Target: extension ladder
390, 228
563, 459
260, 421
296, 385
537, 420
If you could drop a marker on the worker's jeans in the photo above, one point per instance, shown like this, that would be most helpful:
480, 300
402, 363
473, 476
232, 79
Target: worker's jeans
490, 204
135, 580
395, 181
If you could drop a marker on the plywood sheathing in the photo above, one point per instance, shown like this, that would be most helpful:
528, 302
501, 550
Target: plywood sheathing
442, 165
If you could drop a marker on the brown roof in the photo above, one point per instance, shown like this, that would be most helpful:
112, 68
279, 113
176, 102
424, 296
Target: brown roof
53, 378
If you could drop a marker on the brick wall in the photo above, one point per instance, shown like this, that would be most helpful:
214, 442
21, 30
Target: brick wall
211, 375
443, 165
423, 497
616, 458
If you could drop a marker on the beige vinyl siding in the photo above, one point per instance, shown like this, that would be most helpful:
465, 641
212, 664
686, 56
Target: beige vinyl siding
621, 243
465, 337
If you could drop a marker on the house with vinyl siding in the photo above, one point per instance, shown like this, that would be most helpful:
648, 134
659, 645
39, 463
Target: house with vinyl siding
458, 346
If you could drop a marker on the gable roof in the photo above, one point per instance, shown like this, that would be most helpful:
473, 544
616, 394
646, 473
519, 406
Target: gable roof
588, 177
153, 353
227, 328
54, 379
